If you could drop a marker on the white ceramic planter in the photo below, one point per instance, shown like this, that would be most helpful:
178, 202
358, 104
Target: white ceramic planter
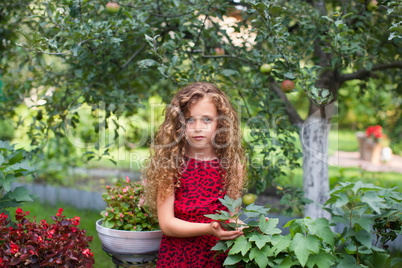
129, 242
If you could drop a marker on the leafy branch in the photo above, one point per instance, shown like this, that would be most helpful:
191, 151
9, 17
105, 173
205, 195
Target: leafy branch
365, 210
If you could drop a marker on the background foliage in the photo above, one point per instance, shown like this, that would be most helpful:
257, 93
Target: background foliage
62, 57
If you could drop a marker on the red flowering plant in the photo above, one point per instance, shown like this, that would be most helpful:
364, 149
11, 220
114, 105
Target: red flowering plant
41, 244
375, 132
125, 207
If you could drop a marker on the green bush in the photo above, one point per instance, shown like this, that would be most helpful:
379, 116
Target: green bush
13, 164
7, 130
370, 216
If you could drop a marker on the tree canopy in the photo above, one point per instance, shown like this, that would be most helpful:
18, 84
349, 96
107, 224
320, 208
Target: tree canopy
74, 52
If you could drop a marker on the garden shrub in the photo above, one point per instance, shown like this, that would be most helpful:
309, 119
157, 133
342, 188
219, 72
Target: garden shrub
13, 164
33, 244
371, 217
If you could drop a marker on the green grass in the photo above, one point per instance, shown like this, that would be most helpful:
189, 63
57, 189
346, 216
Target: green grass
87, 222
381, 179
345, 140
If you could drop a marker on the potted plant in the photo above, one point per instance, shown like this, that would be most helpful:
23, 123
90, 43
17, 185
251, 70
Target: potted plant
371, 143
127, 226
40, 244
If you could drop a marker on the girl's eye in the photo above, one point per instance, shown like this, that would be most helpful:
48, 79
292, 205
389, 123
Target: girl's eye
189, 120
207, 120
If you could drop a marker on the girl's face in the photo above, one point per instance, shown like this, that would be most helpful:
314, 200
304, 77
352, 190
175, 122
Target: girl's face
201, 123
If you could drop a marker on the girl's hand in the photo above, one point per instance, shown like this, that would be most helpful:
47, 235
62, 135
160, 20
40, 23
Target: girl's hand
217, 231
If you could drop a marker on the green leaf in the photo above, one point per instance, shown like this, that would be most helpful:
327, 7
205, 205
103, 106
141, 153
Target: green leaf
287, 262
314, 91
147, 63
288, 223
321, 260
347, 261
341, 201
303, 246
268, 227
280, 243
338, 23
20, 194
359, 185
261, 257
364, 238
220, 246
5, 146
240, 245
1, 159
116, 40
237, 203
395, 261
109, 224
255, 211
229, 72
260, 240
351, 248
103, 214
323, 231
378, 259
218, 217
253, 253
289, 75
310, 225
327, 18
232, 259
363, 222
375, 202
74, 50
7, 181
128, 226
230, 203
15, 157
149, 39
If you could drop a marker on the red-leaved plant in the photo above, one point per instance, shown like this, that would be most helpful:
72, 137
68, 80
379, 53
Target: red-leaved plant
40, 244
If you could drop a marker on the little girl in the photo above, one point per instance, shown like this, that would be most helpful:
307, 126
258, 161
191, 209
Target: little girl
196, 158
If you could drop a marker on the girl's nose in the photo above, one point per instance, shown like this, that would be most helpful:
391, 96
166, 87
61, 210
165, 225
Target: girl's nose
198, 124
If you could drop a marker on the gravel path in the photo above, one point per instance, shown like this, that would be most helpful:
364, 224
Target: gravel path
352, 159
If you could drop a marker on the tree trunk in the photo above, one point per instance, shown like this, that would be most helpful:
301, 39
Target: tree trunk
314, 140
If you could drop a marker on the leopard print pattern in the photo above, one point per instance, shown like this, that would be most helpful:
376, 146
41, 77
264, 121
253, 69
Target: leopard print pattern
198, 194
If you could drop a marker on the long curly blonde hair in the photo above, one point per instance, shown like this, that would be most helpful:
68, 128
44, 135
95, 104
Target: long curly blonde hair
162, 170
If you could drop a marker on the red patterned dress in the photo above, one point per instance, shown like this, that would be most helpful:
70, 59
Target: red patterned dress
200, 188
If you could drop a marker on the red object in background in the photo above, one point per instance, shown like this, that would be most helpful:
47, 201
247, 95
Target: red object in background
39, 244
375, 131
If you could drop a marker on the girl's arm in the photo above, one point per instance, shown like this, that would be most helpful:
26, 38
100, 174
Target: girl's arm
172, 226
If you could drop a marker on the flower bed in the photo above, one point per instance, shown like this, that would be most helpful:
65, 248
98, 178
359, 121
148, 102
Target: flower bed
37, 244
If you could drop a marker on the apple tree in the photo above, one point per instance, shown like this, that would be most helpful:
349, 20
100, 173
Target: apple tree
77, 52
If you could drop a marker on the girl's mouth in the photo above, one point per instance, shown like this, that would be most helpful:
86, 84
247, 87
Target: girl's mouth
198, 137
